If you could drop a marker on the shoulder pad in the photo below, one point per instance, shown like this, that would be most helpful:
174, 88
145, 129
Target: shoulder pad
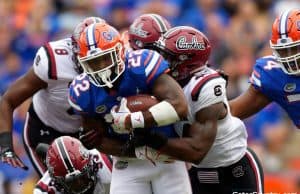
203, 80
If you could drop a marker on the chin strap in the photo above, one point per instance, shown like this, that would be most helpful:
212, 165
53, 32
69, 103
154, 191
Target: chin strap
104, 77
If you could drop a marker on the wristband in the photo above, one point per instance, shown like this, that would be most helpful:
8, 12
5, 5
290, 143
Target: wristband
6, 139
164, 113
137, 120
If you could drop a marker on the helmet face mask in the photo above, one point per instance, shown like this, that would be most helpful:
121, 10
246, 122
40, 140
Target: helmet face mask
101, 54
288, 56
78, 181
104, 67
285, 41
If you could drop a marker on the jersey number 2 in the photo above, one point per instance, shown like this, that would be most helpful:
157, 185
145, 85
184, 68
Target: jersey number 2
134, 58
81, 86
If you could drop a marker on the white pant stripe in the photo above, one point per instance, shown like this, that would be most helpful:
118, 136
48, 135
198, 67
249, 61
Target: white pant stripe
257, 170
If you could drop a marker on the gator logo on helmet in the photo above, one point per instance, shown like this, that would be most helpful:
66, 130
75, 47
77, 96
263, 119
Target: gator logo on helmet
109, 35
181, 44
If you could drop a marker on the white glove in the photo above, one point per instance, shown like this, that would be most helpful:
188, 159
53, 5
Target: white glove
148, 153
120, 117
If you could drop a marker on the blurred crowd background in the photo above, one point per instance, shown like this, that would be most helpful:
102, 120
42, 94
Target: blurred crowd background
239, 31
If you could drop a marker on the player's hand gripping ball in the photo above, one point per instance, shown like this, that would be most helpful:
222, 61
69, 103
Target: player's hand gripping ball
128, 115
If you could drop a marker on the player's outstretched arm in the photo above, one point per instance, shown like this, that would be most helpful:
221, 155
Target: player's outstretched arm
248, 103
199, 137
16, 94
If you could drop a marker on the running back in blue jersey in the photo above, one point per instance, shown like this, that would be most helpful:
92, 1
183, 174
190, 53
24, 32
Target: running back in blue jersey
284, 89
142, 68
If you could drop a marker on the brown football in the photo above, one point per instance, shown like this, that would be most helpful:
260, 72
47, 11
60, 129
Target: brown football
141, 102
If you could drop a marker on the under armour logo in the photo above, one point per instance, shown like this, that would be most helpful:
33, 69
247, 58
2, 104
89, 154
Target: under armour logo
46, 132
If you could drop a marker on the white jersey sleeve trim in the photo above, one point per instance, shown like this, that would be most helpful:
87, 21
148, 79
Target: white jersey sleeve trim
40, 64
152, 63
75, 106
212, 92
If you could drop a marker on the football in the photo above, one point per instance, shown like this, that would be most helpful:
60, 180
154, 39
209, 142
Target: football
141, 102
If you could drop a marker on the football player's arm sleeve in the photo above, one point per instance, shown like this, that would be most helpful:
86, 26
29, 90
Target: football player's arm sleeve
208, 93
256, 78
73, 103
79, 96
155, 65
41, 64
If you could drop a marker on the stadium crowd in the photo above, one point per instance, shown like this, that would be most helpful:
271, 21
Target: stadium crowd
239, 31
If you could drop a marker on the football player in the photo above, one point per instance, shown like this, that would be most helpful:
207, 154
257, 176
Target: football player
275, 77
212, 139
49, 116
110, 74
146, 30
72, 169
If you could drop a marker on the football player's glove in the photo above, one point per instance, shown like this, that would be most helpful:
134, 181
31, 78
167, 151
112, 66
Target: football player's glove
7, 153
121, 118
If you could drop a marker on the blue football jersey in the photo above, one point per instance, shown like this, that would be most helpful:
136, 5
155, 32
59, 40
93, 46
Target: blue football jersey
284, 89
142, 67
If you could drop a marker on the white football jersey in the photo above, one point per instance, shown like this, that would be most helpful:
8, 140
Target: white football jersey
204, 89
54, 64
45, 184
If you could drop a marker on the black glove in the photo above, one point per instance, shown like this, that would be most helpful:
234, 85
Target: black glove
7, 153
153, 139
90, 139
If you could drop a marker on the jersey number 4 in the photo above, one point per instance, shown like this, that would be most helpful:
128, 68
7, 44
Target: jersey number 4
271, 64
